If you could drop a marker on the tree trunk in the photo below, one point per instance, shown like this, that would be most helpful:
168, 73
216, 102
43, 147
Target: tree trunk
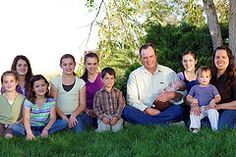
213, 24
232, 27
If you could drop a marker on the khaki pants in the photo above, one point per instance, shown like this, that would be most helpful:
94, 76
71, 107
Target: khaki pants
106, 127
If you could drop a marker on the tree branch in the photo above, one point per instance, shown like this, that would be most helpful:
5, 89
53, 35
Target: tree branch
92, 23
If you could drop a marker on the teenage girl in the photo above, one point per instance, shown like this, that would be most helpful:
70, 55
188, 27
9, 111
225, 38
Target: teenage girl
70, 94
93, 80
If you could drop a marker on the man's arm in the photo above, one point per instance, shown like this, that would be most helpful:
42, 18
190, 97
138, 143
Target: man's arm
175, 97
168, 96
133, 95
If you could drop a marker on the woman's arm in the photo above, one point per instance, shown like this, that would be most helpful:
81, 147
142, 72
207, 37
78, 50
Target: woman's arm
81, 107
230, 105
82, 102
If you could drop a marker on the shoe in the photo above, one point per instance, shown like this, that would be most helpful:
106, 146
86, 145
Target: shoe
178, 123
195, 131
8, 136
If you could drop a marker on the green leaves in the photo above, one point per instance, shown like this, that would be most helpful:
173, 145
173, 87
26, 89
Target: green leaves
173, 25
90, 4
123, 27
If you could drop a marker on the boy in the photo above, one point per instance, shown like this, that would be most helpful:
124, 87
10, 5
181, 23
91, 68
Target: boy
108, 103
203, 98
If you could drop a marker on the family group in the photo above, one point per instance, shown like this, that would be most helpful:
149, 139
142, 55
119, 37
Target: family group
156, 95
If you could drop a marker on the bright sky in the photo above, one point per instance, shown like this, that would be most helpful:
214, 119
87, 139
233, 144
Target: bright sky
43, 30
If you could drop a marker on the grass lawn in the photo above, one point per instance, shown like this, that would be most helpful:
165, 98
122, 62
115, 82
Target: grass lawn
134, 140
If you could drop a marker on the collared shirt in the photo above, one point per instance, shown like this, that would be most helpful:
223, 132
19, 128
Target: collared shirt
108, 103
227, 91
143, 87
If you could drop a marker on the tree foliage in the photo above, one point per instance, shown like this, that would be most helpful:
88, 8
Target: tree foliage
222, 10
191, 12
122, 28
173, 40
125, 25
174, 26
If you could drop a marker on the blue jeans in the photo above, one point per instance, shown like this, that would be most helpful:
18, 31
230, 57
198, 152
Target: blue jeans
79, 126
173, 113
19, 129
89, 121
227, 119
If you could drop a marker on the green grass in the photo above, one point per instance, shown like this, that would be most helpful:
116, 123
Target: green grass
134, 140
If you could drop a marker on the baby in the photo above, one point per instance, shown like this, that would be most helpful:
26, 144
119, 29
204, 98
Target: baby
177, 85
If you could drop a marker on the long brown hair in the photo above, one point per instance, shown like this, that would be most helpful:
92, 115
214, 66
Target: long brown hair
230, 71
29, 73
88, 55
68, 56
32, 95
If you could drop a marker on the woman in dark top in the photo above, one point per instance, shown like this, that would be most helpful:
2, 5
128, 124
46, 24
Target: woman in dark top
189, 61
224, 78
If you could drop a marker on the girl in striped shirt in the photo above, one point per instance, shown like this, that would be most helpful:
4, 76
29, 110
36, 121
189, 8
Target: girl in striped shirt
39, 112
